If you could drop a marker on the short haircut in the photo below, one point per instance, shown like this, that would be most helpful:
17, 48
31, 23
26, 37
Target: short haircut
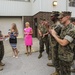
27, 23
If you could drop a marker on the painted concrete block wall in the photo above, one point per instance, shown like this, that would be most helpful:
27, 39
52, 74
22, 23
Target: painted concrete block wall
47, 5
15, 8
36, 6
72, 9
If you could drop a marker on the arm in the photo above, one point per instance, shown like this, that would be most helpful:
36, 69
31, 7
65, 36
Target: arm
25, 33
1, 37
45, 34
31, 32
16, 34
39, 32
62, 42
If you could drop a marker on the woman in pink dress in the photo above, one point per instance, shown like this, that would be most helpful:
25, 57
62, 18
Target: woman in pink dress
28, 37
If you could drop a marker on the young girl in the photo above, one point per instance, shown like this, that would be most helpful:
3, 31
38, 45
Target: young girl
28, 37
13, 39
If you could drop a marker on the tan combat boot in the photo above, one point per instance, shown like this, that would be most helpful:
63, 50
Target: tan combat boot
40, 55
1, 68
50, 64
49, 57
2, 64
72, 70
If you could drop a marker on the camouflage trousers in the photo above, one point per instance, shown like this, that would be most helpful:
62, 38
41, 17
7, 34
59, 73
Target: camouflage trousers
1, 52
65, 67
55, 59
42, 42
74, 52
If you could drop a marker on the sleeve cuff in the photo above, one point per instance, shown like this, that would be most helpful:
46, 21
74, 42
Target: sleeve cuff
69, 38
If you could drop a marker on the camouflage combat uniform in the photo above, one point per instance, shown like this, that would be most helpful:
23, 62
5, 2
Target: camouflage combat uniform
54, 45
43, 40
65, 53
73, 64
73, 22
1, 49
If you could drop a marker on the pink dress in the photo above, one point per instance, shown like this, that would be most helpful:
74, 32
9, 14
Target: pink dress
28, 36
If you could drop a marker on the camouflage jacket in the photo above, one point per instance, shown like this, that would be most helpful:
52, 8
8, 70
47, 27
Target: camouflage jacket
57, 27
66, 52
1, 42
43, 29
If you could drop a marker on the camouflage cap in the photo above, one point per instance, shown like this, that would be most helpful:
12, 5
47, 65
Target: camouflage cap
65, 13
60, 16
55, 14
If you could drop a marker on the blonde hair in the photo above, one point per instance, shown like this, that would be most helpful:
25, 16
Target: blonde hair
27, 23
14, 27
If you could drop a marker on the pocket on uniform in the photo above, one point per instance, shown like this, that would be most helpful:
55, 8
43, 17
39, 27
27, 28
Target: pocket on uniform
68, 57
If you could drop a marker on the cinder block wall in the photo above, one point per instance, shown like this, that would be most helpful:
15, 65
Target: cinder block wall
39, 15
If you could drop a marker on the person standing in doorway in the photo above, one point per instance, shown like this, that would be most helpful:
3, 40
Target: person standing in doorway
28, 37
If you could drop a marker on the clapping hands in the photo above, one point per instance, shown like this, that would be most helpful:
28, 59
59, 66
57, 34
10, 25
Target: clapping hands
52, 32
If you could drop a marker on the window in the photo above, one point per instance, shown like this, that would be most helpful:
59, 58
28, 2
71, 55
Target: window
72, 3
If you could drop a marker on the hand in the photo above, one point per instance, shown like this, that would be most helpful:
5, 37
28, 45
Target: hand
49, 30
1, 38
40, 34
43, 35
15, 34
26, 33
52, 32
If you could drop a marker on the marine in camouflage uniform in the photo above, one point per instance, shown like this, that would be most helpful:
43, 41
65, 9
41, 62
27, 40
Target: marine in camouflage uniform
43, 32
65, 48
73, 22
54, 45
1, 52
73, 65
